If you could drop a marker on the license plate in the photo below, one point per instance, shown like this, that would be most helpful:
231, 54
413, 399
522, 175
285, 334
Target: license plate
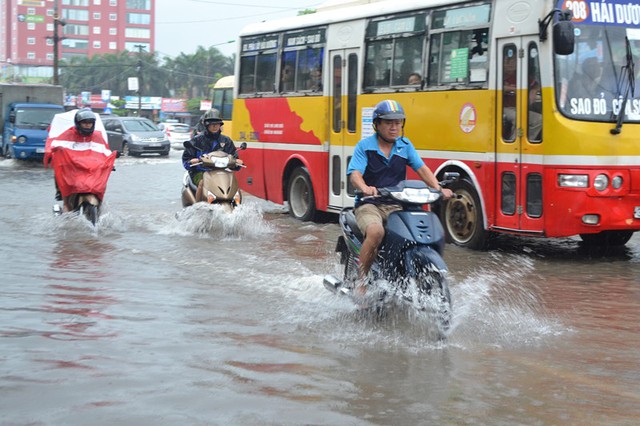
636, 212
41, 151
155, 144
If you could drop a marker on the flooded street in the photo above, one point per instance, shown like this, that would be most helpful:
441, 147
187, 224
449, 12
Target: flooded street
203, 318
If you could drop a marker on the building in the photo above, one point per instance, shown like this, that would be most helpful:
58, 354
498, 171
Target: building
85, 28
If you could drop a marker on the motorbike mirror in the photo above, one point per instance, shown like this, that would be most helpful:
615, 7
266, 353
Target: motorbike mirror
188, 144
243, 145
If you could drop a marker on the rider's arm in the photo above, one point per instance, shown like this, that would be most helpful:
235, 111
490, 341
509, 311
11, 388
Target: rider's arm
430, 179
358, 182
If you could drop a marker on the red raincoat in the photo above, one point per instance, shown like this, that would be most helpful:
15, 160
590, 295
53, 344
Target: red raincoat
82, 164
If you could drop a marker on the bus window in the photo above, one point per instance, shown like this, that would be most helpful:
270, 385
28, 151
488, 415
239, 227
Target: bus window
258, 64
394, 50
352, 92
266, 72
509, 78
459, 54
223, 97
247, 74
301, 64
534, 95
337, 93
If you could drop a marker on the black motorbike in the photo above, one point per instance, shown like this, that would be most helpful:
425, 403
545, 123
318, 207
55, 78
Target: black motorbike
409, 260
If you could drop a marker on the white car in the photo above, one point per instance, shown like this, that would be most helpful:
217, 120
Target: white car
177, 133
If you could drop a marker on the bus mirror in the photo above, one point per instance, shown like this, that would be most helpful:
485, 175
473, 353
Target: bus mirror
563, 38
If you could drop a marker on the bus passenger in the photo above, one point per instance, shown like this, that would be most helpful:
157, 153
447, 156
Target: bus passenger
587, 84
381, 160
286, 80
414, 78
210, 140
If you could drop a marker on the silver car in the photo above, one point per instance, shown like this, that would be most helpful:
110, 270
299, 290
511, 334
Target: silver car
136, 136
178, 134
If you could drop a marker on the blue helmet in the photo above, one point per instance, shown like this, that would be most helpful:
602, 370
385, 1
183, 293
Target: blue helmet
388, 110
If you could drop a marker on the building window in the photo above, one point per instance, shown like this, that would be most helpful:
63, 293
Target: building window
113, 45
138, 18
139, 4
137, 33
49, 56
49, 42
75, 2
97, 16
31, 40
49, 12
31, 55
31, 11
113, 31
75, 29
113, 2
97, 2
31, 26
132, 46
50, 27
97, 30
113, 16
75, 15
76, 44
97, 45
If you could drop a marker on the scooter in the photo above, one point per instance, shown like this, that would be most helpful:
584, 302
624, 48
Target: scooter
409, 259
220, 185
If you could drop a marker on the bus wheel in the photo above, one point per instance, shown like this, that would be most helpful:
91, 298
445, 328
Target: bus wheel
302, 203
462, 217
607, 238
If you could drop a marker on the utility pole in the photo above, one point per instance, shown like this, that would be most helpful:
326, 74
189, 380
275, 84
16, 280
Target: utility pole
139, 69
57, 22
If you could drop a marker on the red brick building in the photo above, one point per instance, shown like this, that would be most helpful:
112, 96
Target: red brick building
90, 27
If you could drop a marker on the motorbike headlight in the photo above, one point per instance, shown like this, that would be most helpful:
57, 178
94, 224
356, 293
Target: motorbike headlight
573, 181
416, 195
22, 139
601, 182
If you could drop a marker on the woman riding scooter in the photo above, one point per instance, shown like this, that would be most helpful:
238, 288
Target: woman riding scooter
210, 140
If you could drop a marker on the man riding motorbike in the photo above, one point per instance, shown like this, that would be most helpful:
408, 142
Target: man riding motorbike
81, 146
381, 160
210, 140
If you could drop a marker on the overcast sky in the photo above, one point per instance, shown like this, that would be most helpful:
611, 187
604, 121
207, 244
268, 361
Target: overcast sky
183, 25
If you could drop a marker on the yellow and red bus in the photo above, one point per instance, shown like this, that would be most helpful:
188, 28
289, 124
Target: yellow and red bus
223, 101
534, 107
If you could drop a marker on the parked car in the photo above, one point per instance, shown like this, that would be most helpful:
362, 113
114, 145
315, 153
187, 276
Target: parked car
135, 136
177, 133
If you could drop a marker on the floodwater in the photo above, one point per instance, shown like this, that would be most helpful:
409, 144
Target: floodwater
212, 319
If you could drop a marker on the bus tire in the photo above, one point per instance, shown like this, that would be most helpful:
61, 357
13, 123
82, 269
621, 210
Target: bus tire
606, 238
302, 204
462, 217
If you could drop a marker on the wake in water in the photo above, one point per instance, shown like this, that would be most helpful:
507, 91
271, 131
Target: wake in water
211, 220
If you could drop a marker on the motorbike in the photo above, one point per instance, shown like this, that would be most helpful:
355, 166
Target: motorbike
409, 259
87, 205
220, 185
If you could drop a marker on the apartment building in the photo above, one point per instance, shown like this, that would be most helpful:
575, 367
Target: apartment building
86, 28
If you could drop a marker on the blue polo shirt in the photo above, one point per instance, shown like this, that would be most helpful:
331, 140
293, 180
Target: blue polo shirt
379, 171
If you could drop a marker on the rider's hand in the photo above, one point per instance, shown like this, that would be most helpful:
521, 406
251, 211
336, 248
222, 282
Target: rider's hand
194, 160
370, 190
239, 162
447, 193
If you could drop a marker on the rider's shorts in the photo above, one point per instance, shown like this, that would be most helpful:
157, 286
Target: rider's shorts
368, 214
196, 178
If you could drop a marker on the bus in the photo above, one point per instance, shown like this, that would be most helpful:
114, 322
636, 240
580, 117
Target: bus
531, 101
223, 100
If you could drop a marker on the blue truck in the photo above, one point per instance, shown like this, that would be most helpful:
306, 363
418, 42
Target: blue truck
26, 111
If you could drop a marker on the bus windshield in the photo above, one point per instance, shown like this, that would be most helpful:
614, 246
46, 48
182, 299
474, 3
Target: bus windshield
594, 80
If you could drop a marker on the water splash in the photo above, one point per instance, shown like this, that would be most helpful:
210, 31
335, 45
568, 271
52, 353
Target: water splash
210, 220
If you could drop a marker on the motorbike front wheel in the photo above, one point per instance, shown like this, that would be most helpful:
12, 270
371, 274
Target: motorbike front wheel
90, 212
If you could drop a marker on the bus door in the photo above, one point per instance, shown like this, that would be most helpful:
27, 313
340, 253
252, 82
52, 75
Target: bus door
518, 171
343, 90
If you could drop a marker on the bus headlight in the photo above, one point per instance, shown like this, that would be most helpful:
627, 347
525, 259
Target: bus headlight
22, 139
616, 182
573, 181
601, 182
